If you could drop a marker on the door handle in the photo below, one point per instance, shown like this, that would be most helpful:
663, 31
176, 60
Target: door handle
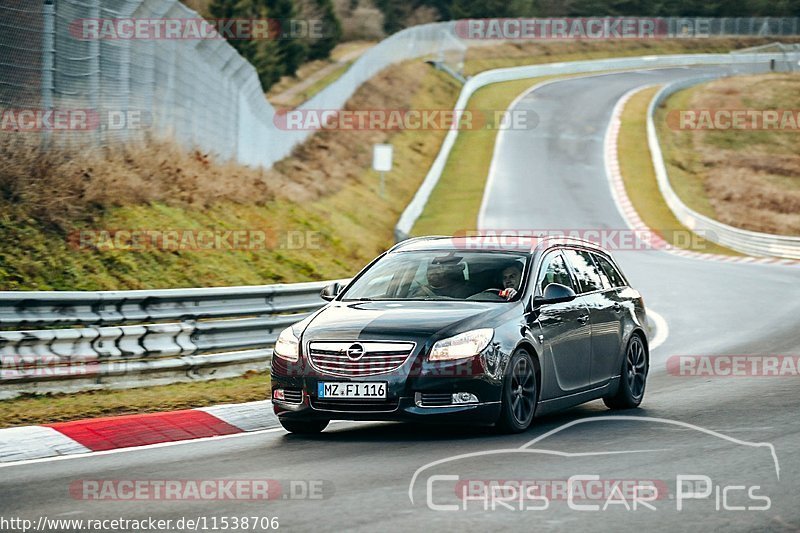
583, 319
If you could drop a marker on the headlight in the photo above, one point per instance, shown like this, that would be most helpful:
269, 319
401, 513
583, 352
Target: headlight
462, 345
287, 346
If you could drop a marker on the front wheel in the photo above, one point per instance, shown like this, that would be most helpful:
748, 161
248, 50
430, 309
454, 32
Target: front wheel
304, 427
633, 378
519, 394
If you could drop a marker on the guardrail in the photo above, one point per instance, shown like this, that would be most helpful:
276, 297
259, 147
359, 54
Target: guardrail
71, 341
738, 63
748, 242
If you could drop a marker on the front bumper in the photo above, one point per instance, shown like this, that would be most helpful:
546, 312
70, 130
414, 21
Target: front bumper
404, 410
402, 400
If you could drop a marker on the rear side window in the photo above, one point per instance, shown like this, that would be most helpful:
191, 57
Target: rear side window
554, 270
585, 270
610, 271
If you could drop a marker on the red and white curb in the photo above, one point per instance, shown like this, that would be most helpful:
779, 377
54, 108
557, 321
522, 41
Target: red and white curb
115, 432
629, 213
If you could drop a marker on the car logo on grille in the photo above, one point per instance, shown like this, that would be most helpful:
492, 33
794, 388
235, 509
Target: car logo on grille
355, 352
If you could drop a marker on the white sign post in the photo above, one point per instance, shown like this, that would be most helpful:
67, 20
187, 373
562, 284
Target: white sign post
382, 162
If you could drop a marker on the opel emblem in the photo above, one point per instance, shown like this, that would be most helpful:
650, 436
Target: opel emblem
355, 352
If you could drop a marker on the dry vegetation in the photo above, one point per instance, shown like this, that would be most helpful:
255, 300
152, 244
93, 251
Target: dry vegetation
314, 76
749, 179
480, 58
60, 187
326, 186
360, 19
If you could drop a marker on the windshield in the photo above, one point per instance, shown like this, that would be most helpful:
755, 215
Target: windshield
441, 275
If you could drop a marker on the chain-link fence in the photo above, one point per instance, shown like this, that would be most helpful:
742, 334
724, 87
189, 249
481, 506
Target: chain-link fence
60, 86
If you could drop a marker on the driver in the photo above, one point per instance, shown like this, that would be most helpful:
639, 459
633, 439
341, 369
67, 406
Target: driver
512, 275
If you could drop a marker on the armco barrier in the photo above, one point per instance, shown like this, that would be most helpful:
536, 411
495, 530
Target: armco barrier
70, 341
737, 63
748, 242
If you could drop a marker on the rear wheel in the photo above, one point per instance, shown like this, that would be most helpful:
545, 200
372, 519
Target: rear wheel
304, 427
519, 394
633, 377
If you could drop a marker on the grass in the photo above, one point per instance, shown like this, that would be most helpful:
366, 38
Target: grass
680, 157
323, 82
639, 177
748, 178
480, 58
345, 53
455, 201
44, 409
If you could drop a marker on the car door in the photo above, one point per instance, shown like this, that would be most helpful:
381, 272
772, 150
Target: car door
565, 330
599, 297
607, 367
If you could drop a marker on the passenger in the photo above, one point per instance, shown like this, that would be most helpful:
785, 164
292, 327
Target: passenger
445, 279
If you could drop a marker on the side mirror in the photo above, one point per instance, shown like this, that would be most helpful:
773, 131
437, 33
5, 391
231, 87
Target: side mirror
330, 291
554, 293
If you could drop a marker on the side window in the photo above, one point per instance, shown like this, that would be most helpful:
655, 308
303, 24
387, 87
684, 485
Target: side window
600, 272
585, 270
554, 270
611, 271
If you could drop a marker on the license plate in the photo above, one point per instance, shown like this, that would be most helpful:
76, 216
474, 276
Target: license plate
352, 390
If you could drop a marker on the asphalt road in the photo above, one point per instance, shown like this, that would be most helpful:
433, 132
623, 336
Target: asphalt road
551, 177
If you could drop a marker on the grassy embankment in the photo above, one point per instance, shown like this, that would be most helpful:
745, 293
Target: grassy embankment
745, 178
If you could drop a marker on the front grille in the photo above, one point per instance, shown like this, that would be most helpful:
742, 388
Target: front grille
293, 395
431, 399
366, 358
360, 406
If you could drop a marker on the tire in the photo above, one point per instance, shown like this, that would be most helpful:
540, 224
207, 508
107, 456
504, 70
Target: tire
633, 376
304, 427
519, 394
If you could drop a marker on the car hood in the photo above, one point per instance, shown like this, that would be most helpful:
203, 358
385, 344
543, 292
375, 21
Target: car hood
399, 320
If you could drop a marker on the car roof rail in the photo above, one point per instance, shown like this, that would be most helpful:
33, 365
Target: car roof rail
416, 239
554, 240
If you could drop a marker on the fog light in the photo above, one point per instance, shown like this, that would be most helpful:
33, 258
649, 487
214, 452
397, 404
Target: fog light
464, 397
277, 394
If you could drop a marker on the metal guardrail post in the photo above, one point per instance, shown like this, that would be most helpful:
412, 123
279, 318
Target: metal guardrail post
48, 60
93, 82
